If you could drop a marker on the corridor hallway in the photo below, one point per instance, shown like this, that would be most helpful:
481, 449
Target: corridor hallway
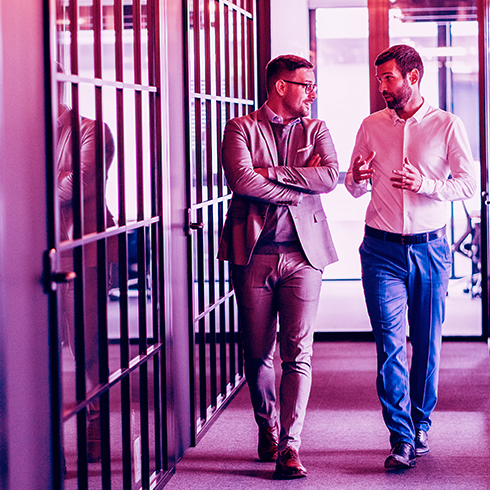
345, 441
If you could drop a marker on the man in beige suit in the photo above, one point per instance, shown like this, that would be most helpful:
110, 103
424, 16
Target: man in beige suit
87, 129
277, 163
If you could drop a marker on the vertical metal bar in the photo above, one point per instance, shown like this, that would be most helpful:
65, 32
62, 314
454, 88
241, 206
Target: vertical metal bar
444, 96
196, 23
220, 207
78, 259
206, 48
253, 51
142, 251
238, 339
199, 240
244, 68
53, 239
236, 112
77, 187
156, 256
157, 408
162, 458
210, 194
143, 379
212, 299
222, 82
138, 110
226, 34
228, 334
232, 342
234, 57
249, 72
218, 40
234, 29
101, 250
484, 90
202, 369
314, 54
145, 460
123, 253
263, 44
442, 41
119, 57
201, 323
188, 41
124, 353
137, 40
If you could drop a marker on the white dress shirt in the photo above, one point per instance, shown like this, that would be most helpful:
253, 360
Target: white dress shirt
436, 143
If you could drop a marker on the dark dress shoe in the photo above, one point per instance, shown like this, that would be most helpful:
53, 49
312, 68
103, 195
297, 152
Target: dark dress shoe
421, 442
288, 465
402, 456
268, 439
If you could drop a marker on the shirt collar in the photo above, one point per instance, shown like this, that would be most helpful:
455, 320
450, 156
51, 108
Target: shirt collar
274, 118
418, 116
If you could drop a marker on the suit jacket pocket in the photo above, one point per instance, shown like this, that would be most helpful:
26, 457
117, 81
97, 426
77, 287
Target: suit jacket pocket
319, 216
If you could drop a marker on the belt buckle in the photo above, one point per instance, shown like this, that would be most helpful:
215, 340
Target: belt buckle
404, 239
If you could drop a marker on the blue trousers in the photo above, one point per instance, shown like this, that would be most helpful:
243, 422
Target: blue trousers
400, 282
287, 287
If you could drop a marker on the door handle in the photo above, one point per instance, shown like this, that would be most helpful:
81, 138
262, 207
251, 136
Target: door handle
61, 277
486, 201
192, 225
51, 279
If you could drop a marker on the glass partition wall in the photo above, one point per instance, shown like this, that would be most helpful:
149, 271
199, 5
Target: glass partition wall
446, 35
108, 226
221, 69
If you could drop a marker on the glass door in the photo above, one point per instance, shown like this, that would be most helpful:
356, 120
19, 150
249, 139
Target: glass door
221, 67
342, 64
108, 251
446, 35
484, 99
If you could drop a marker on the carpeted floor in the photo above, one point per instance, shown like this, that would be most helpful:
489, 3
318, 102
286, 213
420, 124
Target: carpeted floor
345, 441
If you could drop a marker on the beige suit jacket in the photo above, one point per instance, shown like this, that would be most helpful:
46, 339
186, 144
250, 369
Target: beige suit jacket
88, 163
249, 143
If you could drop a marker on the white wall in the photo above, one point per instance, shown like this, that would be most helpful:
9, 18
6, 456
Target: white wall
290, 28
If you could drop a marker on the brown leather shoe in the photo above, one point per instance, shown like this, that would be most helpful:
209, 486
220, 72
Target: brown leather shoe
288, 465
268, 439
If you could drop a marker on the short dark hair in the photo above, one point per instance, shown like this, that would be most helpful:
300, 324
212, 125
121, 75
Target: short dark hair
406, 57
282, 65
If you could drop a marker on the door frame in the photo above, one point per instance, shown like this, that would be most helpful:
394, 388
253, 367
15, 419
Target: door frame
484, 95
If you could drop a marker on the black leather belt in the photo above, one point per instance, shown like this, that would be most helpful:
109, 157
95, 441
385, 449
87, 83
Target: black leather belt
405, 239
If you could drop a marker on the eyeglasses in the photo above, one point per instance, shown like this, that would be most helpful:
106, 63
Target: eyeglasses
309, 87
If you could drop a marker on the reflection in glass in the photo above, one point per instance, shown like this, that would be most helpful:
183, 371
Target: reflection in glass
132, 72
84, 153
446, 36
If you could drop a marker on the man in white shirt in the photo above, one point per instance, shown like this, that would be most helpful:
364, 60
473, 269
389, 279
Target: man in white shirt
417, 158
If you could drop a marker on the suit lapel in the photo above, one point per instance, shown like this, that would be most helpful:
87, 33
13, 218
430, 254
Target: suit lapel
267, 134
295, 139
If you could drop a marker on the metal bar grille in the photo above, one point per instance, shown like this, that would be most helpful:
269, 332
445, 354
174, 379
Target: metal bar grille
221, 68
110, 55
